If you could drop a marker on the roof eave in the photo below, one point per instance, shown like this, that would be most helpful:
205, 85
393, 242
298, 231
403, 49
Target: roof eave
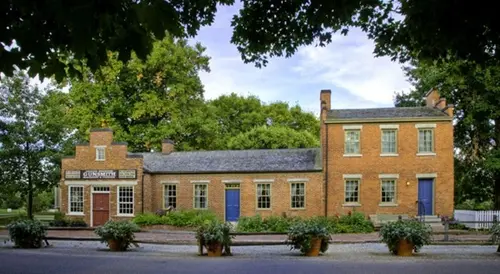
385, 120
232, 172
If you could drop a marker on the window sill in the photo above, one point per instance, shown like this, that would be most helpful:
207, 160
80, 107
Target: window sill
206, 208
387, 204
125, 215
75, 214
426, 154
98, 160
353, 155
264, 209
389, 155
302, 208
351, 204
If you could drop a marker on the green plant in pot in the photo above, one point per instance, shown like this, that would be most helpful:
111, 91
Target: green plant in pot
214, 236
310, 237
27, 233
403, 237
118, 235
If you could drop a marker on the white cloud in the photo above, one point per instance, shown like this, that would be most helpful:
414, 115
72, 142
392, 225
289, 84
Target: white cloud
348, 62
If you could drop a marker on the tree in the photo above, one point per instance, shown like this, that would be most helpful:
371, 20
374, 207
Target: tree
273, 137
27, 138
402, 29
474, 91
56, 36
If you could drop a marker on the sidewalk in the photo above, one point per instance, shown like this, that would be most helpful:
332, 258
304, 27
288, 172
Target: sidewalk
188, 237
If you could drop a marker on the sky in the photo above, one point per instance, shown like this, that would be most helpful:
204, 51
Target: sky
347, 67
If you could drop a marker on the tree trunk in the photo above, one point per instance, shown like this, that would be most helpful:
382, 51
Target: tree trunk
30, 183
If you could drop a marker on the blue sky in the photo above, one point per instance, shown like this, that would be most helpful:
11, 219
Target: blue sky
346, 66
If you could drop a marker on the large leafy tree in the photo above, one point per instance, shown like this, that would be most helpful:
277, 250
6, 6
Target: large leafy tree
474, 91
30, 137
273, 137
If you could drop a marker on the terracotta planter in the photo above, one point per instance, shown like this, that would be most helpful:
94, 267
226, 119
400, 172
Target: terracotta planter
315, 247
214, 250
115, 245
404, 248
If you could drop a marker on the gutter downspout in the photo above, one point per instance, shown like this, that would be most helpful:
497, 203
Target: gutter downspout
326, 169
142, 192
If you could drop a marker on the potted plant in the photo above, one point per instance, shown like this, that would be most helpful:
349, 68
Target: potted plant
405, 236
27, 233
310, 237
215, 236
495, 235
118, 235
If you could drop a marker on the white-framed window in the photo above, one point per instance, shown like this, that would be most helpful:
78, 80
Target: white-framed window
263, 196
200, 196
75, 200
100, 153
425, 140
170, 198
388, 188
389, 141
352, 143
351, 191
125, 200
298, 195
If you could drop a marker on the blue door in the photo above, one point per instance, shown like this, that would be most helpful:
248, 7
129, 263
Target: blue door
425, 196
232, 205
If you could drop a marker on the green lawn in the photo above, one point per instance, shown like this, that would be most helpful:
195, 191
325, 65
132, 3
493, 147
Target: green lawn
14, 211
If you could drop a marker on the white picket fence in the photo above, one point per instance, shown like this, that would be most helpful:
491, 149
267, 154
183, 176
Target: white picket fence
476, 216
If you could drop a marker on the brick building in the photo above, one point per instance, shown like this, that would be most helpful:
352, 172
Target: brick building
386, 160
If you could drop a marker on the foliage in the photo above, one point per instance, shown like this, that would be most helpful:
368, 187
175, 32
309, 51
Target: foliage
214, 232
27, 233
120, 231
42, 201
495, 233
5, 220
418, 233
29, 139
351, 223
273, 138
11, 200
60, 36
473, 205
301, 233
180, 218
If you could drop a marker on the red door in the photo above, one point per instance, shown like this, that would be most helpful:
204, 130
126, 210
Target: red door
100, 208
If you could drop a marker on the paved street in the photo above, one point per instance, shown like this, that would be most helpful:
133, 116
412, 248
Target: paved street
40, 261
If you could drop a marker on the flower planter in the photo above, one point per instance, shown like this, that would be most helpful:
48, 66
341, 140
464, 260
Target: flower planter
115, 245
214, 250
315, 247
404, 248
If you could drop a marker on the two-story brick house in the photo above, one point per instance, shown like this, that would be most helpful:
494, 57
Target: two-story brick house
390, 160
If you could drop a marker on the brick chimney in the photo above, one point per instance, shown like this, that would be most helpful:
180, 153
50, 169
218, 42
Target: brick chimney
325, 99
167, 146
432, 98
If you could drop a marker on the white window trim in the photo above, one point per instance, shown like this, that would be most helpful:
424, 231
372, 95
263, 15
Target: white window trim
305, 195
194, 194
76, 213
353, 155
396, 127
424, 126
260, 181
96, 153
118, 202
232, 181
164, 185
389, 154
426, 175
350, 177
270, 196
298, 180
200, 181
394, 177
426, 154
352, 127
174, 182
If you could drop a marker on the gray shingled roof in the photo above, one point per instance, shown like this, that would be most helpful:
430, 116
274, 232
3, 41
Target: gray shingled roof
234, 161
374, 113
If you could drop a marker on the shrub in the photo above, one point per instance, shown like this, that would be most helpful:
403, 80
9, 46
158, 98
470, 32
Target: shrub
301, 233
180, 218
77, 223
354, 223
120, 231
495, 234
251, 224
418, 233
472, 204
27, 233
212, 233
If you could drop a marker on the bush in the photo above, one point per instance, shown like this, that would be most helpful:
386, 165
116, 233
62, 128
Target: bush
354, 223
472, 204
495, 234
212, 233
301, 233
120, 231
419, 234
42, 201
27, 233
77, 223
180, 218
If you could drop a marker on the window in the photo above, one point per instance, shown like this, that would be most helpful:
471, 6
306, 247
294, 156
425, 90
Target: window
125, 200
100, 154
263, 196
352, 142
389, 191
76, 199
298, 195
352, 191
170, 192
389, 141
425, 140
200, 196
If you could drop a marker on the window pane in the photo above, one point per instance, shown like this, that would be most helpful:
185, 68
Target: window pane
388, 141
126, 200
425, 140
388, 191
200, 196
170, 196
263, 196
298, 195
76, 199
351, 191
352, 142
